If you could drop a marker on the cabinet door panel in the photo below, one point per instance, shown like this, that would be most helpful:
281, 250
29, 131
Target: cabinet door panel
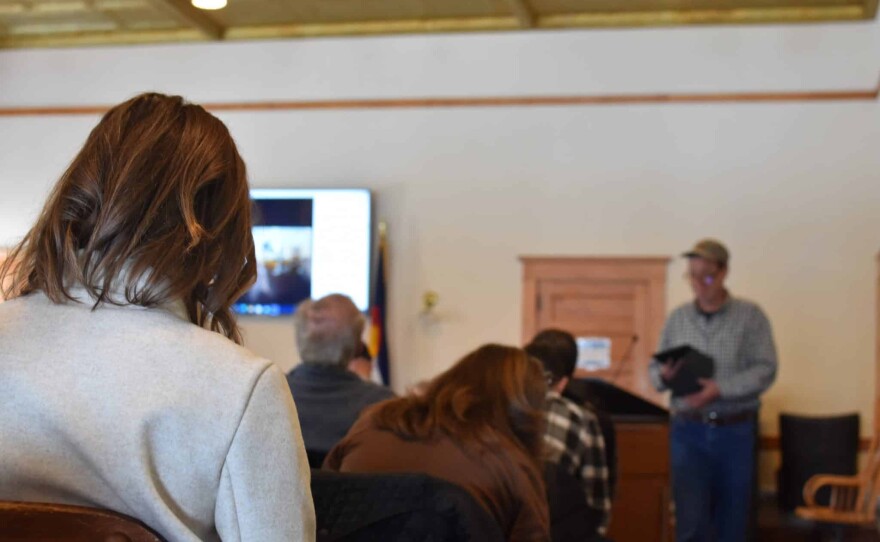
613, 308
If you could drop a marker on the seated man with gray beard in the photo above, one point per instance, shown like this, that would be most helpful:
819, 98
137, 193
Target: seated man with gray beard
329, 397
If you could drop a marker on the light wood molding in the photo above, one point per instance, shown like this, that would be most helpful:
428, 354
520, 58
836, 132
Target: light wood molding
369, 28
867, 95
877, 349
618, 297
133, 37
537, 268
523, 12
798, 14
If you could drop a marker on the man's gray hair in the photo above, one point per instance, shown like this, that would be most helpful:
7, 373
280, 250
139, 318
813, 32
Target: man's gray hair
328, 330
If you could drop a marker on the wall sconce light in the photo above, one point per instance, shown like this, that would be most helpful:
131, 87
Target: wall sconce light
429, 300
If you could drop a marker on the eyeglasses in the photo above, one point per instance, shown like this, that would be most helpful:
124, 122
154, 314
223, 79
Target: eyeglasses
703, 278
549, 378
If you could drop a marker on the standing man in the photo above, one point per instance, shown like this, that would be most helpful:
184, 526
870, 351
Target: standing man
714, 430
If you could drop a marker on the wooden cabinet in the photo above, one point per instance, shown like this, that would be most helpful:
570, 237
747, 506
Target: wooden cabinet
616, 297
641, 511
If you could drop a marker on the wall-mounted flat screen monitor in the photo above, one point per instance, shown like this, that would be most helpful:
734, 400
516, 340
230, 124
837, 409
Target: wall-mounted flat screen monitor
308, 243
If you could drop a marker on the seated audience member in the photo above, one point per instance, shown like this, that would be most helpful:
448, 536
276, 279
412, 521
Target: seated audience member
124, 386
573, 437
478, 425
329, 397
362, 363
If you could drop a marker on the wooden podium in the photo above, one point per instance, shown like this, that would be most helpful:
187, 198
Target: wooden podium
642, 509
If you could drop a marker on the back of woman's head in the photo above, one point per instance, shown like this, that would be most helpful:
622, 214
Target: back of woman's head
153, 209
493, 391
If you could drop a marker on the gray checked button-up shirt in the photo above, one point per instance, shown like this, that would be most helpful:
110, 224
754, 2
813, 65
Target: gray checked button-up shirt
739, 338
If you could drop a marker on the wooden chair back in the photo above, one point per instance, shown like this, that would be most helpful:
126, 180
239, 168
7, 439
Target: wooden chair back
870, 482
43, 522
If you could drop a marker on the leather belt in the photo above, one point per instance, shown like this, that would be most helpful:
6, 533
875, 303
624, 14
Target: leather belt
716, 419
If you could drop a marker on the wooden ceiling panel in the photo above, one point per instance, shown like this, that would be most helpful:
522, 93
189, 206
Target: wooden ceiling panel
270, 12
53, 23
610, 13
30, 23
552, 7
147, 20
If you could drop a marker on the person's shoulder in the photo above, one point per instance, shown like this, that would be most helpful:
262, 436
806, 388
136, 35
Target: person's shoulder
681, 311
747, 306
366, 421
365, 393
172, 332
568, 408
161, 338
221, 349
377, 390
23, 306
177, 346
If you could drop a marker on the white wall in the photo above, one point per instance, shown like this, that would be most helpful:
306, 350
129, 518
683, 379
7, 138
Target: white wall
792, 188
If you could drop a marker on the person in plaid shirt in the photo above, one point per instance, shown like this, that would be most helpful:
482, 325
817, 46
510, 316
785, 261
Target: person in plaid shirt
573, 437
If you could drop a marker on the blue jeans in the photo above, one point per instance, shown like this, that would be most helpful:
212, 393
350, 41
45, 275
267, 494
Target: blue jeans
712, 471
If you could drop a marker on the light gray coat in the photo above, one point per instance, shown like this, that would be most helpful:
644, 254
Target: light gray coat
140, 411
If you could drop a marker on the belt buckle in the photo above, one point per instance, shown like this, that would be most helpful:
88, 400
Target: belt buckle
712, 419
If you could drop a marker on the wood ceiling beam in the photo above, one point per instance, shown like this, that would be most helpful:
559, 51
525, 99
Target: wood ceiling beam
705, 16
870, 13
523, 13
195, 17
11, 41
366, 28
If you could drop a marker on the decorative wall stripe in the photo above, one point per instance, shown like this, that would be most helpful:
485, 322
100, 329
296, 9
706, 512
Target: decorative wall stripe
490, 101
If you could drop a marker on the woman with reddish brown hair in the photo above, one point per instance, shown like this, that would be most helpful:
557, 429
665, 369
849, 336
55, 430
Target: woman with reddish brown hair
123, 382
478, 425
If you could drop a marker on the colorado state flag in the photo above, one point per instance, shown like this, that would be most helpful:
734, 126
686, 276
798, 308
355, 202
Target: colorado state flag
378, 345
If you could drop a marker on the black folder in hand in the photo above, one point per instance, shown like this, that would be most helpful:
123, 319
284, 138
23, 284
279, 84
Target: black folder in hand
695, 365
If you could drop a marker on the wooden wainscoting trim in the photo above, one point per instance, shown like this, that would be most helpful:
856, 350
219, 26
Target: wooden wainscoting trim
488, 101
770, 443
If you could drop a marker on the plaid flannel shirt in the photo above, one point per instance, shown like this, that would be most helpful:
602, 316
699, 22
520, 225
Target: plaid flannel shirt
574, 439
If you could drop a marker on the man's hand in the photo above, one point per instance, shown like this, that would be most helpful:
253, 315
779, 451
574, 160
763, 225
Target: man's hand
361, 367
670, 369
709, 393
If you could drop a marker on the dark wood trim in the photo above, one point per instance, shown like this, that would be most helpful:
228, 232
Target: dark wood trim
770, 443
489, 101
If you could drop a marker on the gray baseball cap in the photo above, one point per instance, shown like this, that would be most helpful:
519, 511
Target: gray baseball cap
709, 249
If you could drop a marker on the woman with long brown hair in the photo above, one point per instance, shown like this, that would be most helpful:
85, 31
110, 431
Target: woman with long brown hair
478, 425
123, 383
